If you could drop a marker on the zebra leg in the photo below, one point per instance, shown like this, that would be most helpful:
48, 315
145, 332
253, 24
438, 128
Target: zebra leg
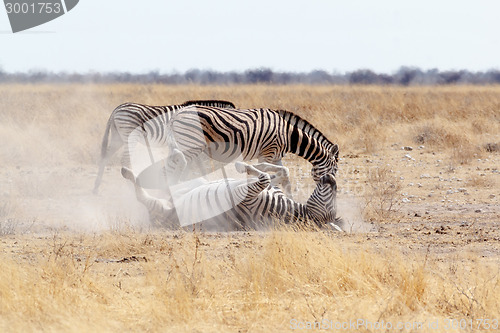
282, 174
100, 172
263, 168
250, 170
255, 185
159, 210
287, 185
131, 147
107, 153
248, 193
257, 169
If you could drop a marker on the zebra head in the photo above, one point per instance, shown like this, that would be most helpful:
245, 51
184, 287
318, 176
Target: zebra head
322, 204
334, 155
327, 165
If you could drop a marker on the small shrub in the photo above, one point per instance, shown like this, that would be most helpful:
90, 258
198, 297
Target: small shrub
491, 147
464, 154
480, 181
383, 189
438, 135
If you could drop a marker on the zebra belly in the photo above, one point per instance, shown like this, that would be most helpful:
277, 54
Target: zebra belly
204, 202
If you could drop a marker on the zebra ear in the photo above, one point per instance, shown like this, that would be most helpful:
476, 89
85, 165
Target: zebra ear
334, 152
328, 179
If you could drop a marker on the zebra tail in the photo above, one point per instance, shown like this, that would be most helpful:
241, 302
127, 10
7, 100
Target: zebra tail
170, 137
105, 139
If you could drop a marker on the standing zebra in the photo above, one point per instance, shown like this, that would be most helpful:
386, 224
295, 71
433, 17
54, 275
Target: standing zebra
225, 134
255, 202
130, 117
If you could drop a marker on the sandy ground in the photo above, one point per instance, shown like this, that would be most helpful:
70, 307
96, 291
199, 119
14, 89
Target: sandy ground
440, 207
446, 220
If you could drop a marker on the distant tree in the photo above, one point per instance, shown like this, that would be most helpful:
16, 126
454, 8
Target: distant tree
261, 75
318, 77
37, 76
153, 76
384, 79
193, 75
493, 76
406, 75
363, 76
450, 77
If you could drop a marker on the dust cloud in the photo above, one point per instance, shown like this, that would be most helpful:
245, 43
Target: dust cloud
350, 209
50, 146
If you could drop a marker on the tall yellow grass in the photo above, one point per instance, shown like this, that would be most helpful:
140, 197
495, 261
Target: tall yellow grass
49, 123
210, 282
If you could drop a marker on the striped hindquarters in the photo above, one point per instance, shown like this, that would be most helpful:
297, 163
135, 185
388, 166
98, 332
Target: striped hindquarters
229, 133
152, 119
129, 117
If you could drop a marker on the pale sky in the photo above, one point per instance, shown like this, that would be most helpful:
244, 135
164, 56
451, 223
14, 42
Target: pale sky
285, 35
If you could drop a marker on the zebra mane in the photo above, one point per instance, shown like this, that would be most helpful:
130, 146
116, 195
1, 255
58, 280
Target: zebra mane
211, 102
309, 128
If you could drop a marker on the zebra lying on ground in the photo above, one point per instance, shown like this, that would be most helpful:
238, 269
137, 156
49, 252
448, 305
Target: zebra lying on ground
226, 134
255, 202
129, 117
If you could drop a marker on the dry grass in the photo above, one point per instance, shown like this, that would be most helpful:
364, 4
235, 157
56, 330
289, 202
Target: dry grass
149, 280
382, 194
47, 124
481, 181
233, 282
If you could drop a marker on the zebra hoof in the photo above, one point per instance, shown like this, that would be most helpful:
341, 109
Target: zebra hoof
336, 227
128, 174
241, 167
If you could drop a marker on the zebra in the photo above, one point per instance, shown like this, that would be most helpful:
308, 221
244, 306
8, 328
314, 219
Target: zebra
257, 201
129, 117
226, 134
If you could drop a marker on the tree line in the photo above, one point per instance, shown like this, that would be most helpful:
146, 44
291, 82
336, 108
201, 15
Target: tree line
405, 76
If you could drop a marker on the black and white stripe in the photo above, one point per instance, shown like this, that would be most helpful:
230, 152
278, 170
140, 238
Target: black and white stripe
258, 202
226, 134
147, 120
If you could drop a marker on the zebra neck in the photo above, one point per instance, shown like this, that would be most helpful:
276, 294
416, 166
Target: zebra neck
304, 126
296, 212
305, 146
